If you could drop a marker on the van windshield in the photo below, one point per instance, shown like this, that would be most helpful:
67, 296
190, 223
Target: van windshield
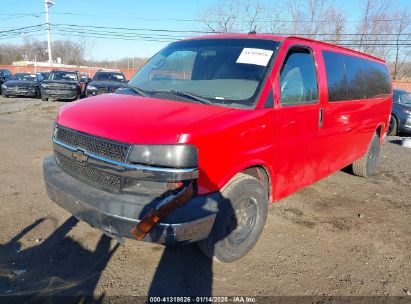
227, 72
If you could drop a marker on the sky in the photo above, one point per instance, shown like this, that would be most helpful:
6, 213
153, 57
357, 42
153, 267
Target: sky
135, 14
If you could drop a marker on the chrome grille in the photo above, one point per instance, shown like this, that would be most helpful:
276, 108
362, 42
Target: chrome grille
103, 179
17, 88
92, 144
59, 86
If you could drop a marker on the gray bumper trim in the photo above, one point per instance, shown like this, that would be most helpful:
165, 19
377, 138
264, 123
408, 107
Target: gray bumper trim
98, 208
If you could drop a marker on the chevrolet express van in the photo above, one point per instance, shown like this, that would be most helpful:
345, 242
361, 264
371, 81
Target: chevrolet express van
211, 131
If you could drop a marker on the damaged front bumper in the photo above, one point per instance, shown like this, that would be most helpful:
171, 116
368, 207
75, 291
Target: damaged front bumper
117, 214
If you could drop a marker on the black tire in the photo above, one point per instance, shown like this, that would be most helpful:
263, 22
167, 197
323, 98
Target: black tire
366, 165
44, 98
4, 95
240, 220
393, 127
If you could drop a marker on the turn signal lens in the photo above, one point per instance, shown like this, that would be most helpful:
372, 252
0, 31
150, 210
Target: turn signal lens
174, 186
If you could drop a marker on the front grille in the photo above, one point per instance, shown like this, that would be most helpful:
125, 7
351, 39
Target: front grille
91, 144
103, 179
18, 88
58, 86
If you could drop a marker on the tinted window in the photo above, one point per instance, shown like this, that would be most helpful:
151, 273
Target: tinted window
355, 69
108, 77
336, 76
405, 98
24, 77
352, 78
298, 80
61, 75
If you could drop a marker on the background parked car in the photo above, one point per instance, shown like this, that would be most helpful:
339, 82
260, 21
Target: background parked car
105, 82
22, 84
62, 85
400, 120
4, 76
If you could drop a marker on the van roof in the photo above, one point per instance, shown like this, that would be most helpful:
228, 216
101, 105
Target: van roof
282, 38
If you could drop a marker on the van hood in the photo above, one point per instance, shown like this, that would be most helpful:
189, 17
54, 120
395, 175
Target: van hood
135, 119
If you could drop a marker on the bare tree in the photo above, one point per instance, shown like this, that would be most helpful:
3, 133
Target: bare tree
313, 18
374, 28
69, 51
235, 16
401, 25
335, 25
253, 13
221, 18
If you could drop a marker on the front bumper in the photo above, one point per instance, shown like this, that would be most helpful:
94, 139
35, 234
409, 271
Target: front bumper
29, 92
405, 126
60, 94
117, 214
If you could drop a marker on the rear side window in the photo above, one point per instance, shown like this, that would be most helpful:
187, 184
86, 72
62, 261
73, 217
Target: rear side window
351, 78
298, 79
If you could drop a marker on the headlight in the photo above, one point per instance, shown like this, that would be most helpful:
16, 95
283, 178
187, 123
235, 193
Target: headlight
45, 85
407, 111
73, 86
91, 88
173, 156
55, 130
4, 86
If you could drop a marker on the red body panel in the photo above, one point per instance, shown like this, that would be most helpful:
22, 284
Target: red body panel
286, 141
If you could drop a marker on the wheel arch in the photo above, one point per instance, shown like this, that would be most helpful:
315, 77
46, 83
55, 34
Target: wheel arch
260, 171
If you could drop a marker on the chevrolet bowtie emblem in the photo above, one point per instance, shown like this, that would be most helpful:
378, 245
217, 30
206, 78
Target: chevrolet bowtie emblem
80, 156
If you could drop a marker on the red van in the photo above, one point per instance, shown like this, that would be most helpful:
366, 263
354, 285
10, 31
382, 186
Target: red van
211, 131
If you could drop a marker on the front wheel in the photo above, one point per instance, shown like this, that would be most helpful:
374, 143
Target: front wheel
240, 220
4, 95
366, 165
393, 127
44, 98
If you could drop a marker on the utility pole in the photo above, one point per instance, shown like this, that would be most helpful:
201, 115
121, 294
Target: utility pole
48, 4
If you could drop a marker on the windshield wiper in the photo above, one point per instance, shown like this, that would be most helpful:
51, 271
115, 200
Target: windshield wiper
184, 94
138, 91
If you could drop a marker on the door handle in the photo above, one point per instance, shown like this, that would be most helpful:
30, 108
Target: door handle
320, 118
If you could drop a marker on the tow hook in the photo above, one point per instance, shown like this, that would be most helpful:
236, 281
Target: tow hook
164, 208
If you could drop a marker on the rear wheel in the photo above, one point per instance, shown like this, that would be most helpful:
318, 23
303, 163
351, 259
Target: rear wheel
393, 127
367, 164
239, 221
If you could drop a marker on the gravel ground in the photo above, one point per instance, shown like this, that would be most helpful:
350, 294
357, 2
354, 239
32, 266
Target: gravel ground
343, 236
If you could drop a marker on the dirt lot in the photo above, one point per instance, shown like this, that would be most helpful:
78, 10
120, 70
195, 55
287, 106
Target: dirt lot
342, 236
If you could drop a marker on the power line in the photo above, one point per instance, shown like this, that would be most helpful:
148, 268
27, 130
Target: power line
165, 35
192, 20
113, 38
133, 29
22, 28
114, 34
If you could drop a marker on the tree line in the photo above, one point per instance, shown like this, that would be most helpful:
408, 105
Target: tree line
383, 29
